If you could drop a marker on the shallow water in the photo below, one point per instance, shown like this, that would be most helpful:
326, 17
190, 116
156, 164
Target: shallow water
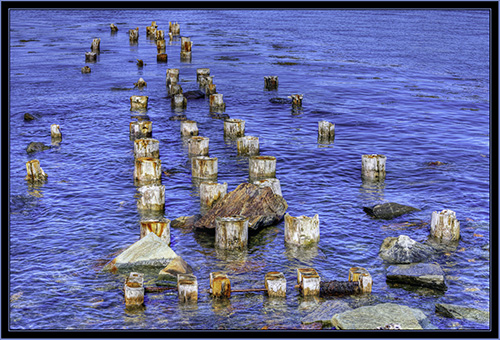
412, 85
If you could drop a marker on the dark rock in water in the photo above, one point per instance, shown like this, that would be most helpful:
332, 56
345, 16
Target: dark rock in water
388, 210
141, 117
220, 116
185, 221
403, 250
280, 100
418, 274
197, 94
36, 147
459, 312
261, 205
178, 117
29, 117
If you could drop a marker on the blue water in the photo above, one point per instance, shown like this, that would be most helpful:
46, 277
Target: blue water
410, 84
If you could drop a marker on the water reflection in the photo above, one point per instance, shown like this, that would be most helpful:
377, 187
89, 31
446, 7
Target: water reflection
302, 253
372, 191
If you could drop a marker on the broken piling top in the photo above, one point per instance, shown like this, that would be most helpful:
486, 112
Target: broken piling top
174, 28
179, 101
308, 281
275, 283
133, 35
444, 226
34, 172
55, 132
373, 166
363, 277
146, 147
231, 232
296, 99
301, 230
201, 73
134, 289
172, 76
160, 228
113, 27
187, 287
139, 102
210, 193
189, 128
261, 167
198, 146
271, 82
220, 285
186, 44
95, 46
326, 131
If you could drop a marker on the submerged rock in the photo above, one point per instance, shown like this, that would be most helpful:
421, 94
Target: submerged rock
185, 221
460, 312
261, 205
176, 266
36, 147
324, 312
403, 250
150, 251
373, 317
29, 117
197, 94
280, 100
178, 117
388, 211
418, 274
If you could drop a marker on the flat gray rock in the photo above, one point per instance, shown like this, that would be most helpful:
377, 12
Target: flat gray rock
372, 317
388, 211
460, 312
402, 250
324, 312
418, 274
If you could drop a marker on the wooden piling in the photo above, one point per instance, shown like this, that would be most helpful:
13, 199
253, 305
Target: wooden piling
160, 228
189, 128
142, 129
210, 89
202, 72
146, 147
272, 183
172, 76
301, 230
95, 46
275, 283
55, 132
204, 167
216, 102
173, 90
174, 28
296, 100
152, 198
161, 46
362, 276
234, 128
113, 28
261, 167
147, 169
231, 232
139, 102
90, 56
444, 226
326, 131
161, 58
271, 82
220, 285
86, 69
187, 288
308, 281
133, 35
134, 289
373, 167
160, 35
205, 81
198, 146
186, 45
179, 101
34, 172
210, 193
140, 83
247, 145
151, 30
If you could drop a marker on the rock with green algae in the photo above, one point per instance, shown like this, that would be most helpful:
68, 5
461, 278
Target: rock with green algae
461, 312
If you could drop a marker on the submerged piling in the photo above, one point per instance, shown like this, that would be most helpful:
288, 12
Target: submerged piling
261, 167
179, 101
113, 28
172, 76
326, 131
95, 46
444, 226
296, 100
133, 35
248, 145
301, 230
187, 288
134, 289
216, 102
373, 167
308, 281
152, 198
363, 277
55, 132
275, 283
90, 56
142, 129
161, 58
202, 72
231, 232
271, 82
186, 45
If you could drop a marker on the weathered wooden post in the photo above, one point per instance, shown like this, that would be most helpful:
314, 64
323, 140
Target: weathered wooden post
308, 281
140, 63
231, 232
204, 167
189, 128
95, 46
86, 69
174, 28
201, 73
161, 58
205, 81
301, 230
271, 82
216, 102
55, 132
444, 226
134, 289
210, 89
151, 30
362, 276
139, 102
272, 183
198, 146
142, 129
220, 285
90, 56
247, 145
161, 46
187, 287
160, 228
113, 28
146, 147
326, 131
179, 101
174, 89
275, 283
35, 172
133, 35
234, 128
373, 167
186, 45
160, 35
210, 193
152, 198
172, 76
262, 167
140, 83
147, 169
296, 100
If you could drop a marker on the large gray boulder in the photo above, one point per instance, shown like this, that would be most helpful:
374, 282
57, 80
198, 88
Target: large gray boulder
324, 312
460, 312
149, 251
388, 211
372, 317
418, 274
403, 249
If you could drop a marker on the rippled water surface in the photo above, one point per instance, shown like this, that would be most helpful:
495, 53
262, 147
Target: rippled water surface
412, 85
